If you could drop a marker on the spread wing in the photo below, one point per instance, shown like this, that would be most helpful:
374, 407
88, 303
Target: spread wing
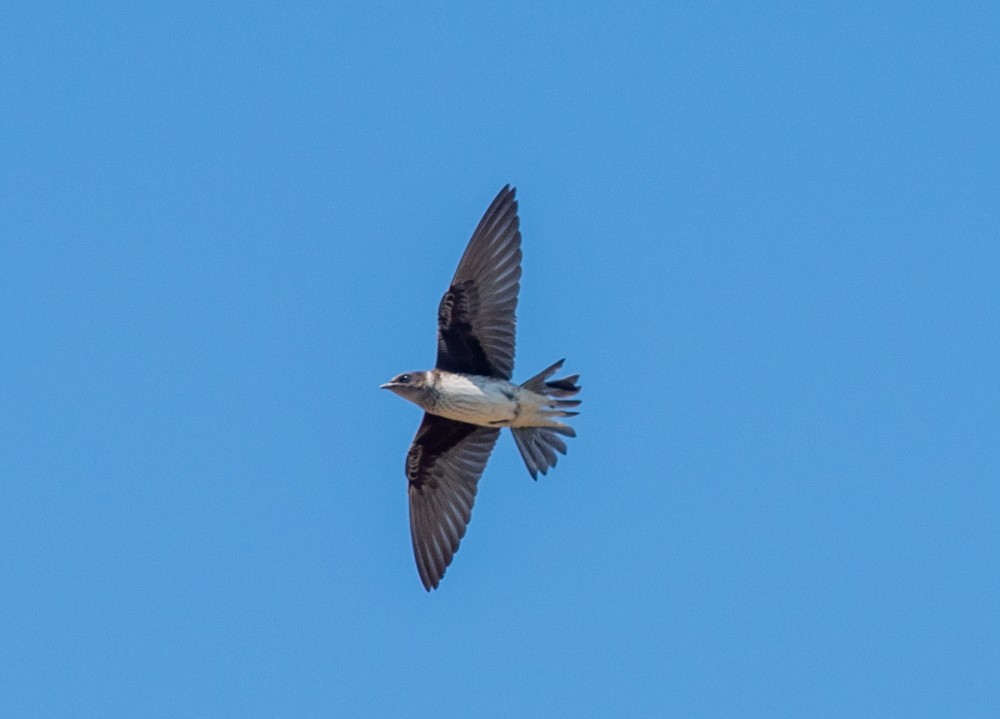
444, 464
476, 315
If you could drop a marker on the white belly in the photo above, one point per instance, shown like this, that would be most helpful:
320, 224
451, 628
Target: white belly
477, 400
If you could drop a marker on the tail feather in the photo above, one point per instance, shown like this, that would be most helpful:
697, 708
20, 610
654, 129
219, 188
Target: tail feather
565, 387
539, 445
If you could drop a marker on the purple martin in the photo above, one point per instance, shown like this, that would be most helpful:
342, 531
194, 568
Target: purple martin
468, 396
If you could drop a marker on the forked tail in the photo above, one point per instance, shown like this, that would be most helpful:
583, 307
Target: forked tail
539, 445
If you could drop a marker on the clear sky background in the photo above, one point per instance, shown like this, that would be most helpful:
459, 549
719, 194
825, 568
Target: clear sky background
767, 237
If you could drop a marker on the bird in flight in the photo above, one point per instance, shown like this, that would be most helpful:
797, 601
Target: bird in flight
468, 396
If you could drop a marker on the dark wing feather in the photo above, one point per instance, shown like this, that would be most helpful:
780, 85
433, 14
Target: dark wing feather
476, 317
444, 464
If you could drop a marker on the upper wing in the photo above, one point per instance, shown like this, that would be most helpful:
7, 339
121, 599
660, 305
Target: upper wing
445, 462
476, 315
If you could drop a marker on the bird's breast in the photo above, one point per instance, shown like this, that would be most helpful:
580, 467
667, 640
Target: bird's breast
478, 400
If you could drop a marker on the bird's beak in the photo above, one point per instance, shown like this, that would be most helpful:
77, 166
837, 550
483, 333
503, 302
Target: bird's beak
387, 385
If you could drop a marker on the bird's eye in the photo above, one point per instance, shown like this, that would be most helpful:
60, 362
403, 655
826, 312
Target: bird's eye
404, 378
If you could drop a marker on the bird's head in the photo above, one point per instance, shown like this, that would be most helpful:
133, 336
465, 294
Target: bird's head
408, 385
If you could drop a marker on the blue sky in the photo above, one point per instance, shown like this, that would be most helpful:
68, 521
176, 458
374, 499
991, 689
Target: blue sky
766, 236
